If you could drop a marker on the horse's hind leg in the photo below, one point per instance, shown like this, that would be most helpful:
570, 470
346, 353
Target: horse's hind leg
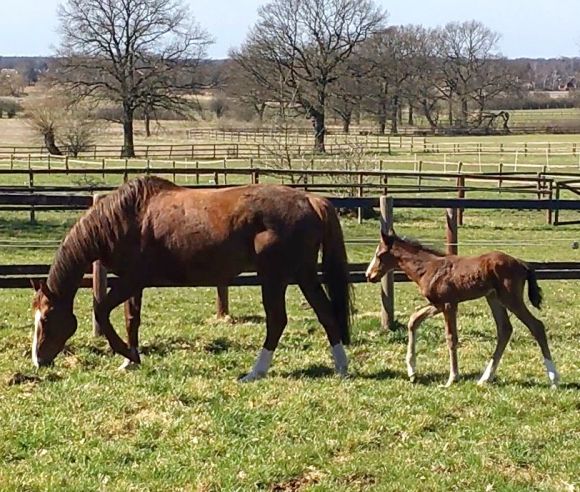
450, 313
318, 300
274, 300
504, 333
414, 321
517, 306
132, 323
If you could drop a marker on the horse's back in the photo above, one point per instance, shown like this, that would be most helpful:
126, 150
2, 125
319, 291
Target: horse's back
198, 235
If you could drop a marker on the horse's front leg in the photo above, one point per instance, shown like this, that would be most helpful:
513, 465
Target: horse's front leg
132, 323
118, 294
450, 313
416, 319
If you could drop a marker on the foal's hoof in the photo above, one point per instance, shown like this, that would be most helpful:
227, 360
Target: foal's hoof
128, 365
413, 378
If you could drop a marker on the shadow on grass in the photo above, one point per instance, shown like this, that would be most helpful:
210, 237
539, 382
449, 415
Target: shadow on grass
315, 371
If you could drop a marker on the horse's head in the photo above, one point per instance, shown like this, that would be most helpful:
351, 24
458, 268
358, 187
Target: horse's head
383, 261
54, 324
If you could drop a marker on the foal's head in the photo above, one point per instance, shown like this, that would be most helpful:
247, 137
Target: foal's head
54, 324
383, 261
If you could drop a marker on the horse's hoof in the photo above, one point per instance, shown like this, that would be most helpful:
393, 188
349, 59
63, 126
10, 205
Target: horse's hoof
413, 378
554, 386
128, 365
251, 377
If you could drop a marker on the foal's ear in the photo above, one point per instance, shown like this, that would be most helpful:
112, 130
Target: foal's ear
388, 238
35, 284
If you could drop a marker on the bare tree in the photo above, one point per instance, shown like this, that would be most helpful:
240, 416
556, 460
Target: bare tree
465, 49
64, 126
347, 93
396, 57
132, 53
301, 46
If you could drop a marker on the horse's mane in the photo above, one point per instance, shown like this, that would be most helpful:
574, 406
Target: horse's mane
418, 245
97, 231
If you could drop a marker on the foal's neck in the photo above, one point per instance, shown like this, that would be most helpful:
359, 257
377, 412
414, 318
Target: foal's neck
413, 259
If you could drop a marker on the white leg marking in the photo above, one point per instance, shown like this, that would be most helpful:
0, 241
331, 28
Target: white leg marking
552, 372
128, 364
489, 373
37, 316
411, 358
340, 360
261, 366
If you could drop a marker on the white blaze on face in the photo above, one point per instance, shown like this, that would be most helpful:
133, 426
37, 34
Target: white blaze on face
37, 317
374, 264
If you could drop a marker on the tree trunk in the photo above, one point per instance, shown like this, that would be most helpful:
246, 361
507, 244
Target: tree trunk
260, 109
147, 124
395, 115
128, 141
319, 131
450, 107
346, 118
464, 111
49, 142
428, 115
411, 120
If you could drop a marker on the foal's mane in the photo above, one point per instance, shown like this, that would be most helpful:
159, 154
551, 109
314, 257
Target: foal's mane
414, 243
98, 230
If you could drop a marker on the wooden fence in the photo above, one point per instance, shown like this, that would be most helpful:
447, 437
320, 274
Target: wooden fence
274, 146
18, 276
358, 183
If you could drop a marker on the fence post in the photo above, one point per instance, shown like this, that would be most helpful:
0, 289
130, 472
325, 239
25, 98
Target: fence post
556, 215
460, 194
99, 283
388, 281
360, 194
451, 230
31, 184
222, 302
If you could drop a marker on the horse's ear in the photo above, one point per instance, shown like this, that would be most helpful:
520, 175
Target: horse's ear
45, 290
35, 284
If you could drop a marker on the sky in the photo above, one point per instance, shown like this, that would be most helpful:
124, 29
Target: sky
529, 28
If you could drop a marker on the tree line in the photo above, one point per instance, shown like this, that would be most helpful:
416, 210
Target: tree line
136, 58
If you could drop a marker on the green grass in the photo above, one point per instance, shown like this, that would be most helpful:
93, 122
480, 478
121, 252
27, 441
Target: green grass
182, 422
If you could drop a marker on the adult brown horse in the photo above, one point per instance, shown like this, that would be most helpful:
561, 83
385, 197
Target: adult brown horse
152, 232
447, 280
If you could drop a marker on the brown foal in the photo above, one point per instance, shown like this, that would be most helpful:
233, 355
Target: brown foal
447, 280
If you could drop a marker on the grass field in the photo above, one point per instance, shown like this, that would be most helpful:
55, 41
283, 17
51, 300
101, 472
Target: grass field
182, 422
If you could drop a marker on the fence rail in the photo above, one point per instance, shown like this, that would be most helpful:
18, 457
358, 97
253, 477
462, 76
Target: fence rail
19, 276
234, 147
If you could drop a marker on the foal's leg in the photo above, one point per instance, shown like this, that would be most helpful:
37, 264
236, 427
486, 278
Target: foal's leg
274, 300
416, 319
450, 313
317, 298
504, 333
132, 323
518, 307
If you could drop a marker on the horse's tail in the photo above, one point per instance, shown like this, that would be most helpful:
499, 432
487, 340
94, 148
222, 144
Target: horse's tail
534, 291
335, 266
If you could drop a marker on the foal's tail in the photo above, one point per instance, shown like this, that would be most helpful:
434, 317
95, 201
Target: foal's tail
335, 266
534, 290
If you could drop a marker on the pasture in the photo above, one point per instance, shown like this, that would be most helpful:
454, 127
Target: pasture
182, 422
